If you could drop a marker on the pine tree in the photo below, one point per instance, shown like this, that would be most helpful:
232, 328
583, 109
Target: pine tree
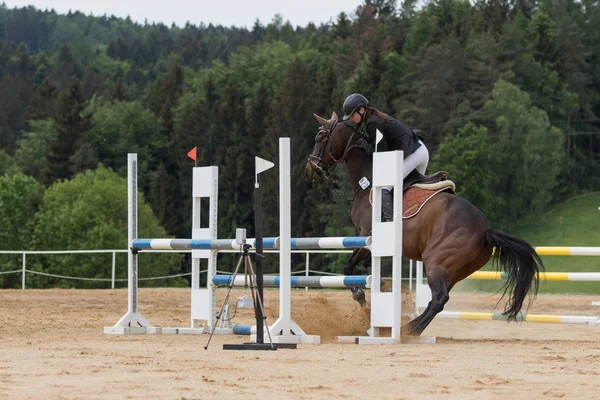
3, 136
291, 116
119, 92
67, 68
496, 13
431, 90
165, 93
235, 181
42, 104
164, 199
162, 100
91, 83
71, 125
341, 29
256, 117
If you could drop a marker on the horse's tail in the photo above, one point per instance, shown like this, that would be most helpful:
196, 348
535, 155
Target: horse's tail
522, 266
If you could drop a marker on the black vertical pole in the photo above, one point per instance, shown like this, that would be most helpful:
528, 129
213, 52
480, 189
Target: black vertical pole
259, 263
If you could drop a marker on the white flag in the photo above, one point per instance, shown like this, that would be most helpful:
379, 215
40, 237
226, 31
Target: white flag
261, 166
378, 137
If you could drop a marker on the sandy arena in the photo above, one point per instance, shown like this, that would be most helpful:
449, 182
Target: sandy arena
52, 347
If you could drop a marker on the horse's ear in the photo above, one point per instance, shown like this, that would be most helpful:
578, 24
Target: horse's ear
334, 116
324, 123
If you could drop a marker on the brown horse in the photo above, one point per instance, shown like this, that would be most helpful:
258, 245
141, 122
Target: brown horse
450, 235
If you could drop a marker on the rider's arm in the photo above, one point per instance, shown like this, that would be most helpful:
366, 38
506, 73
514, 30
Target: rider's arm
375, 123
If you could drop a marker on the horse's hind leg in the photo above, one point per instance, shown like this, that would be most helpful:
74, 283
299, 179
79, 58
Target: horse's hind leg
357, 256
436, 278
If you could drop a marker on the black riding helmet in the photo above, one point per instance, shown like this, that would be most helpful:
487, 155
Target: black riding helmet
353, 103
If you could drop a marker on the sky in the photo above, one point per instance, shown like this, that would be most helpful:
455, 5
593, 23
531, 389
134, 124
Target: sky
224, 12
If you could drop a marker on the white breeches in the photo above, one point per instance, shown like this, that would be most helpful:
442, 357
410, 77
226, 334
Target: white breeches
417, 160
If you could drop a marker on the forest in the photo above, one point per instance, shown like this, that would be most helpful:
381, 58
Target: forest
505, 92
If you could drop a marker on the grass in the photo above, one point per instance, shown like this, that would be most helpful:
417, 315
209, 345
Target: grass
574, 223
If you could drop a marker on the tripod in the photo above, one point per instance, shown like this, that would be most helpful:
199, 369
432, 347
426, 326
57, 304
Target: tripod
249, 282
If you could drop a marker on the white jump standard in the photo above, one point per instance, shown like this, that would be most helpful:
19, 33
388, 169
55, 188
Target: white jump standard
132, 321
386, 308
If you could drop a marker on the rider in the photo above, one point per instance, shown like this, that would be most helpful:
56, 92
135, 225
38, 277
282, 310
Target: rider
396, 136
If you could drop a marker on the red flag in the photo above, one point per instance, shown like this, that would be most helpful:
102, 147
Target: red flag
192, 154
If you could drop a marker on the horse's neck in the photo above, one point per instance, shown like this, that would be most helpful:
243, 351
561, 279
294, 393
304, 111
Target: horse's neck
359, 165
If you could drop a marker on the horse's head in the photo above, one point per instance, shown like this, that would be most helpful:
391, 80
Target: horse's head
332, 143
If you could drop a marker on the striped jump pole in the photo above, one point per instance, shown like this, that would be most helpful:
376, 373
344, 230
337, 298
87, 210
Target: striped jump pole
199, 244
246, 330
544, 318
363, 281
545, 276
567, 251
348, 242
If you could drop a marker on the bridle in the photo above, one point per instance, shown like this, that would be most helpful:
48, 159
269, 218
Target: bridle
317, 159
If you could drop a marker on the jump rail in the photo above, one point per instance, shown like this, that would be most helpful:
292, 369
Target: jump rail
349, 242
363, 281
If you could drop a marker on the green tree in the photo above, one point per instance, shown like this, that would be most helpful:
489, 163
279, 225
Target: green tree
118, 128
235, 180
463, 156
431, 89
290, 116
90, 212
165, 93
531, 152
34, 145
71, 125
163, 100
7, 164
20, 197
42, 104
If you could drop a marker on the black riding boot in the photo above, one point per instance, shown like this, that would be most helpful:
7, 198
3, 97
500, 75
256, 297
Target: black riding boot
387, 205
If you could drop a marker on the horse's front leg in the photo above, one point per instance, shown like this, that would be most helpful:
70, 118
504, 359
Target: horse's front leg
357, 256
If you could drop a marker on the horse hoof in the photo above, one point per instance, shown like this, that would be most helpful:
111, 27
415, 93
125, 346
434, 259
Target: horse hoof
359, 295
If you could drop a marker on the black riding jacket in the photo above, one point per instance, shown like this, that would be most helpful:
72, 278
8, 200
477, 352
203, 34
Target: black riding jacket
396, 135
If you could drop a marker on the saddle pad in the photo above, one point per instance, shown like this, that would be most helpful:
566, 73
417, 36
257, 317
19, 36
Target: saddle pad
415, 198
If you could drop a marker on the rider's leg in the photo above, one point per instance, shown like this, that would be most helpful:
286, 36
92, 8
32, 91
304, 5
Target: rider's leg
417, 160
387, 205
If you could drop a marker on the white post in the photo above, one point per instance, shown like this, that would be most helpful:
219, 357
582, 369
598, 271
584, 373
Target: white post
24, 269
386, 308
285, 234
132, 202
195, 323
397, 251
410, 274
204, 300
114, 261
285, 330
307, 266
423, 293
132, 321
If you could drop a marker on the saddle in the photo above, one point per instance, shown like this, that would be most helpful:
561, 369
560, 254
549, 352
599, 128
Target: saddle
428, 182
418, 189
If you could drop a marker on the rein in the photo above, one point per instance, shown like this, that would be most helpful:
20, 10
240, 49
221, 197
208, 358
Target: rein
316, 160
